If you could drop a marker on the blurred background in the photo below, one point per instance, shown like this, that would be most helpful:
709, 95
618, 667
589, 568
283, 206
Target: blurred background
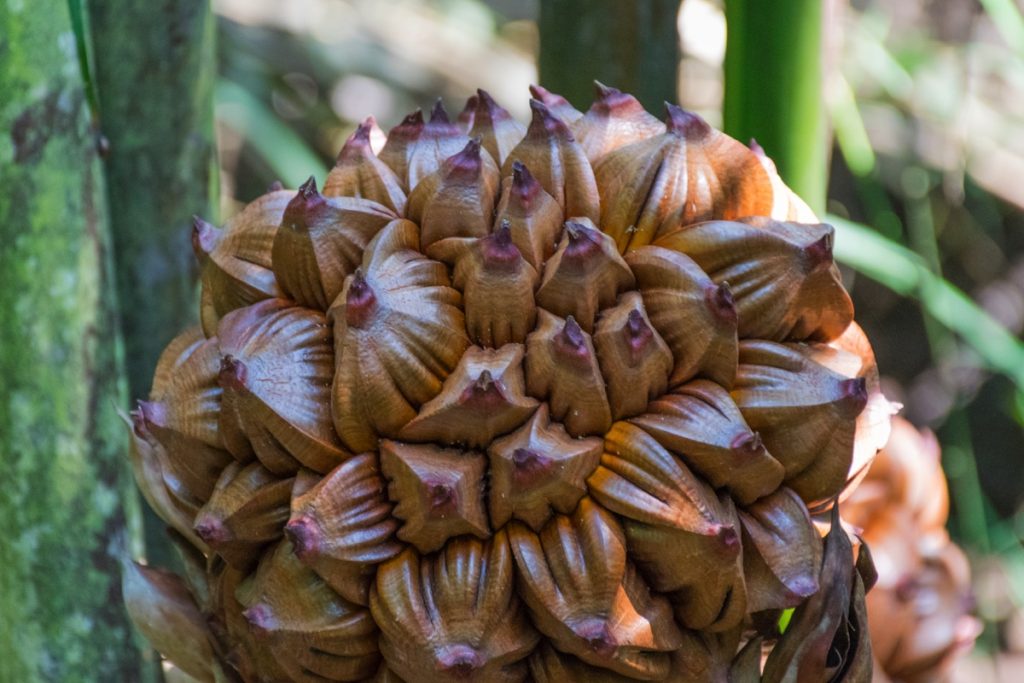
922, 171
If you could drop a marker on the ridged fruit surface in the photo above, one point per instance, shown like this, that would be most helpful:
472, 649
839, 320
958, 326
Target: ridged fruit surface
551, 402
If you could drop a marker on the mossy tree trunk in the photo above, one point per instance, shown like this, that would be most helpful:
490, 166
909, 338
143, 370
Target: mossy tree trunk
62, 461
154, 69
632, 46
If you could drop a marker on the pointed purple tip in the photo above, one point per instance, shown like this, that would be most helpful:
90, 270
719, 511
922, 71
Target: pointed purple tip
439, 115
819, 252
152, 413
546, 124
360, 301
467, 163
571, 339
204, 237
529, 465
212, 530
747, 442
853, 396
304, 534
233, 374
524, 186
358, 142
459, 661
720, 303
442, 498
583, 242
413, 119
597, 636
261, 619
685, 123
307, 190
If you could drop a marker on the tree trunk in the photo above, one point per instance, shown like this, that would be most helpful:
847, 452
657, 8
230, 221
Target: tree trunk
62, 463
632, 46
154, 68
773, 88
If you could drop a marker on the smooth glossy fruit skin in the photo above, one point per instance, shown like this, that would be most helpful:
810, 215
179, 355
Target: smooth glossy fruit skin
512, 403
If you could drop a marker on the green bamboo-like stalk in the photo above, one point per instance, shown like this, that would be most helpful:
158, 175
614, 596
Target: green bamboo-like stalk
62, 460
153, 68
632, 46
773, 88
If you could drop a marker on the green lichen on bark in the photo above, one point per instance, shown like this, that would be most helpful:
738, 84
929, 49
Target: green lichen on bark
62, 463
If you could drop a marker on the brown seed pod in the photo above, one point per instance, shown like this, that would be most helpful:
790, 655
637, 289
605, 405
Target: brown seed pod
561, 368
276, 369
538, 470
558, 105
635, 361
453, 615
311, 631
584, 275
689, 173
614, 120
158, 485
456, 200
246, 511
605, 381
497, 286
827, 636
532, 216
805, 413
782, 276
320, 243
416, 149
179, 422
850, 355
558, 162
438, 492
695, 316
483, 398
399, 301
235, 262
166, 613
700, 423
781, 552
359, 173
588, 599
683, 537
498, 131
342, 527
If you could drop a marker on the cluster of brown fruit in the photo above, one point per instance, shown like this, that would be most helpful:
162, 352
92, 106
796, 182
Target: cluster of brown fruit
920, 608
508, 403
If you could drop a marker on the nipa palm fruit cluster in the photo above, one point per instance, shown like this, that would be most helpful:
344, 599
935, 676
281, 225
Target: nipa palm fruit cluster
920, 609
500, 402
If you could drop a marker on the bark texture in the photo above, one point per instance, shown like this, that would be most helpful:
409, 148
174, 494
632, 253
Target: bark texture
632, 46
154, 71
62, 464
154, 68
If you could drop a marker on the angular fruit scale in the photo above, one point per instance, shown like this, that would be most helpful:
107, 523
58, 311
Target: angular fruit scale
507, 403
